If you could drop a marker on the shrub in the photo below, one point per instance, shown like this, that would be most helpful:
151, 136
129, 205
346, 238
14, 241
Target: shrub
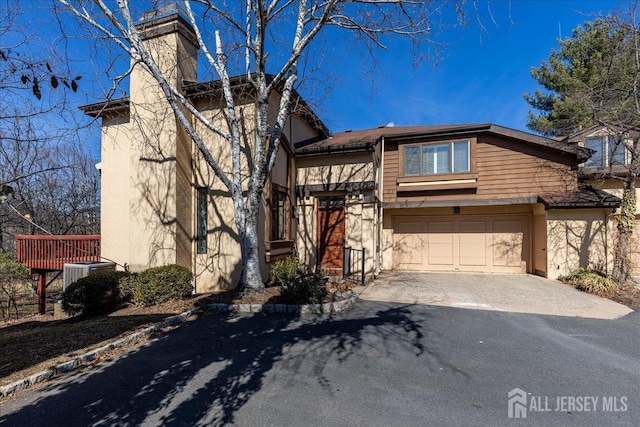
95, 294
14, 278
160, 284
127, 284
285, 270
309, 289
591, 281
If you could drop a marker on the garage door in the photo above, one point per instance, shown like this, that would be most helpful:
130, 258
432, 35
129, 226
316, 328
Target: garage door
462, 243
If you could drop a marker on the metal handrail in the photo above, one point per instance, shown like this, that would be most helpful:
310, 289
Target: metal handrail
349, 267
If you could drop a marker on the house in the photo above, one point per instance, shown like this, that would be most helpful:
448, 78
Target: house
606, 170
476, 197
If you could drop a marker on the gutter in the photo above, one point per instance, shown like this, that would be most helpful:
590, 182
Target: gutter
340, 149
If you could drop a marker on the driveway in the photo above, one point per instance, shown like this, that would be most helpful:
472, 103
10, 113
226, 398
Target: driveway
380, 364
518, 293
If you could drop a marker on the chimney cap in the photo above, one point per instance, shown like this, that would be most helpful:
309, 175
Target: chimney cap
169, 9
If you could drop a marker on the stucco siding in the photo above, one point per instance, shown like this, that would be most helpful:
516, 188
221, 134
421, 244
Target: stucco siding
575, 238
325, 170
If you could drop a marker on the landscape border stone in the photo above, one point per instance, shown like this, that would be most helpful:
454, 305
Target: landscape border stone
87, 358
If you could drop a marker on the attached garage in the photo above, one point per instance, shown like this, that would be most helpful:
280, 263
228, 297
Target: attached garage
479, 243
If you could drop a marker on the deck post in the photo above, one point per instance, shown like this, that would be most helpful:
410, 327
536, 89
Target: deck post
42, 292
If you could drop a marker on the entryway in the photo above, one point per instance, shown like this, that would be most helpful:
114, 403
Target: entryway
331, 235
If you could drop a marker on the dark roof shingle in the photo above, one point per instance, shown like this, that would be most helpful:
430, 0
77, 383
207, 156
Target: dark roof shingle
585, 196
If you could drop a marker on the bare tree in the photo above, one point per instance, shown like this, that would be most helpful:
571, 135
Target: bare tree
45, 172
53, 183
238, 38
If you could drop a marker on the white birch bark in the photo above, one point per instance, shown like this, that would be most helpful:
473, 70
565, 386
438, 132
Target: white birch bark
369, 18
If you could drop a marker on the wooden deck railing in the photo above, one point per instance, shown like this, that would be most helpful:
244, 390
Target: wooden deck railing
49, 253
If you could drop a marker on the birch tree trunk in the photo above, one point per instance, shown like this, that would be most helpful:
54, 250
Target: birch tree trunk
252, 28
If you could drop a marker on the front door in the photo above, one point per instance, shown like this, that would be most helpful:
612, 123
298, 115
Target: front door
331, 235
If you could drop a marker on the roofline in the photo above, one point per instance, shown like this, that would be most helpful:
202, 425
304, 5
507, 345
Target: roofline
299, 106
336, 149
581, 152
593, 205
195, 90
110, 107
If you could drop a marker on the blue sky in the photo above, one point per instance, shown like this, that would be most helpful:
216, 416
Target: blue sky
480, 76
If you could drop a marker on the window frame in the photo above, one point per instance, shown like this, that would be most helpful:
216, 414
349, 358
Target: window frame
279, 214
604, 154
202, 220
433, 147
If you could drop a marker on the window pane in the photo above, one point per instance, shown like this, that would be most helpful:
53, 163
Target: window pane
278, 215
412, 160
443, 162
202, 228
616, 151
461, 157
282, 216
596, 159
428, 159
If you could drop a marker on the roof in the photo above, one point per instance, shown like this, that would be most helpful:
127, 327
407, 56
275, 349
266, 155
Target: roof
585, 196
354, 140
196, 90
108, 108
580, 136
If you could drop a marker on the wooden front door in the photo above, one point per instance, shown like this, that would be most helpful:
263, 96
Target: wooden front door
331, 235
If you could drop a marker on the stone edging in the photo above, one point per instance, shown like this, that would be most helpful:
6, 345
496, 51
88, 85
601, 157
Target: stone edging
326, 308
86, 358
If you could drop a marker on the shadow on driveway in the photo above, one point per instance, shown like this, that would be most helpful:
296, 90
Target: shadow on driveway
207, 370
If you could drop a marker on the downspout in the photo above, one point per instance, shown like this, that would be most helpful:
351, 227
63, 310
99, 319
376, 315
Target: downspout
380, 209
194, 217
608, 258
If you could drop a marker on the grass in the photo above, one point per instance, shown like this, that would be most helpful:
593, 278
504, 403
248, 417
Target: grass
39, 342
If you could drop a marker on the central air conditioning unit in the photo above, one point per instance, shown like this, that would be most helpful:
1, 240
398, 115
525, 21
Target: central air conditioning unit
77, 270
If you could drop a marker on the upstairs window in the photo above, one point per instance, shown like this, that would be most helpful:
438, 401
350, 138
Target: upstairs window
432, 159
609, 151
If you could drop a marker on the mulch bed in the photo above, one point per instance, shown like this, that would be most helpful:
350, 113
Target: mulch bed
628, 295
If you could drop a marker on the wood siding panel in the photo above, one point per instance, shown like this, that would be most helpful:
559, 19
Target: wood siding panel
505, 169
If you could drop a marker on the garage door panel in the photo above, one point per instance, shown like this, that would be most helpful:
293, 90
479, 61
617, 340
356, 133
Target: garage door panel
508, 240
473, 243
408, 245
459, 243
439, 243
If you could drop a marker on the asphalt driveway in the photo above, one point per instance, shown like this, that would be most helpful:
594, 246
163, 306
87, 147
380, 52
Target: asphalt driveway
380, 364
518, 293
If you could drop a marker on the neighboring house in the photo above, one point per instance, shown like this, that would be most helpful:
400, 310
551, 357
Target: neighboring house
609, 159
446, 198
479, 198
